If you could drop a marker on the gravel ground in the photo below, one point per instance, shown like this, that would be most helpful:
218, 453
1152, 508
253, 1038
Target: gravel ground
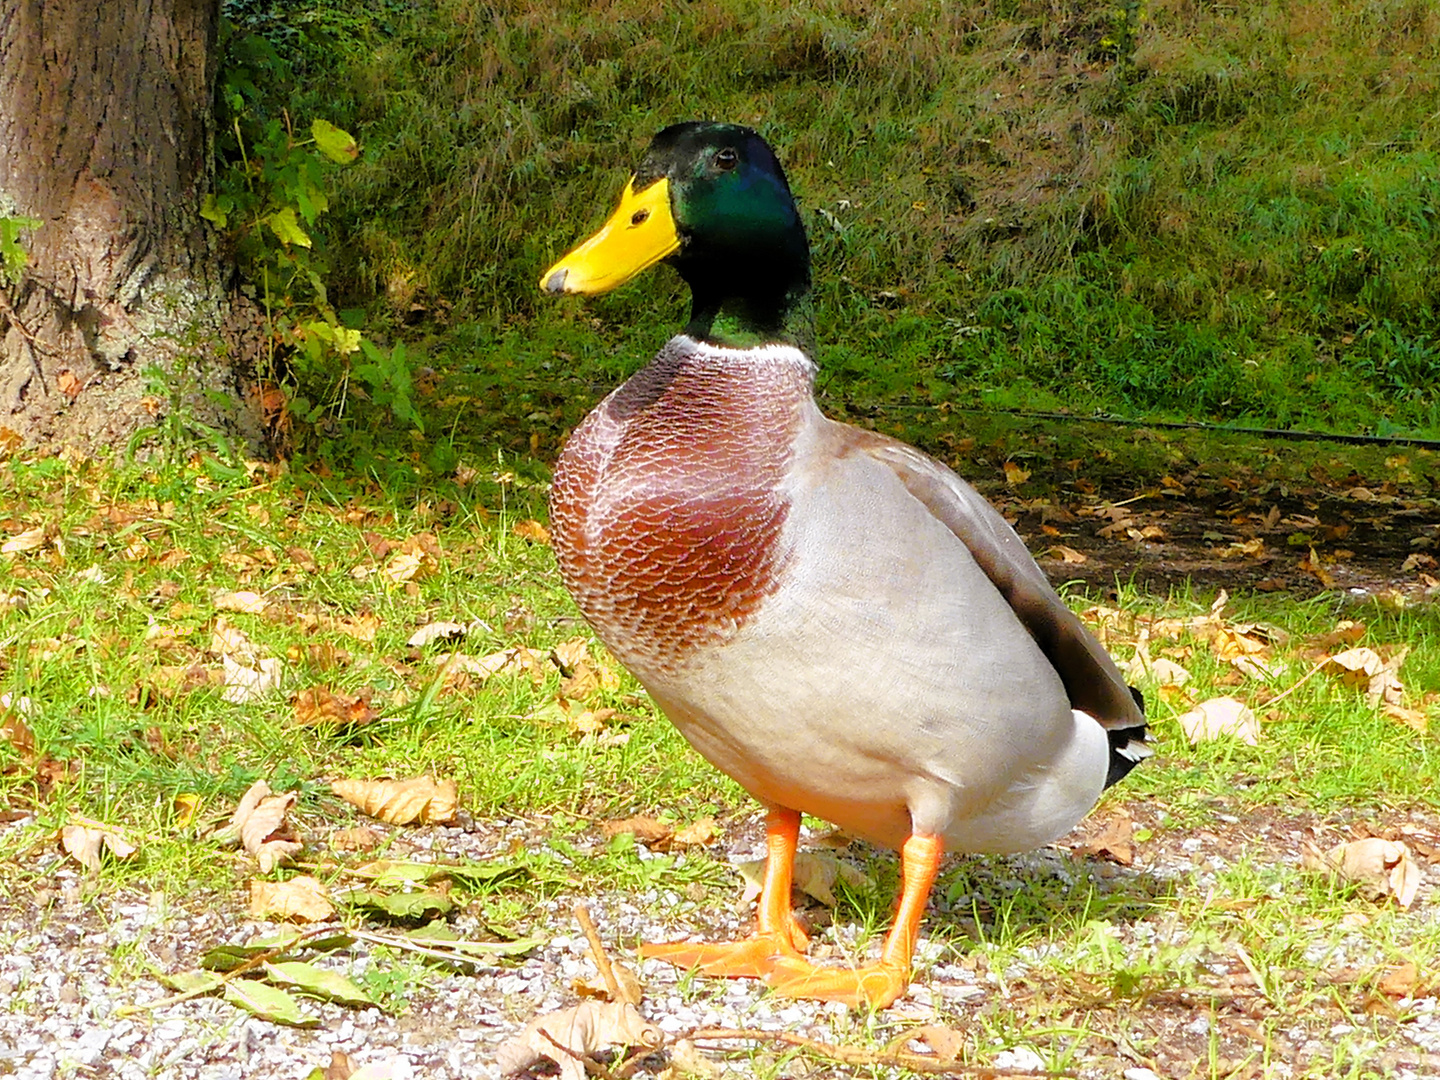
69, 961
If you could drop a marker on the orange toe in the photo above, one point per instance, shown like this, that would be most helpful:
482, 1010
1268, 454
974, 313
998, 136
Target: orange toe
753, 958
875, 987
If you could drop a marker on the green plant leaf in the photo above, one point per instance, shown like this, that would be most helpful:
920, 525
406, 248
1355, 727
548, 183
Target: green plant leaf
211, 212
268, 1002
284, 225
407, 906
319, 982
335, 143
186, 982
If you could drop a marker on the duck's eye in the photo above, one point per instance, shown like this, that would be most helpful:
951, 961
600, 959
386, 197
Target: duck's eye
639, 217
726, 159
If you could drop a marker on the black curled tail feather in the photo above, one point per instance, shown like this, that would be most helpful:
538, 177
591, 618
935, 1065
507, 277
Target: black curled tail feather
1127, 746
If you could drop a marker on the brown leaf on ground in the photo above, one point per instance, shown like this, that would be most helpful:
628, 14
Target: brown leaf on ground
1354, 667
1414, 719
697, 834
13, 728
29, 540
1065, 554
816, 873
1115, 841
304, 558
1316, 569
596, 987
245, 684
1346, 632
359, 838
507, 661
322, 705
83, 843
245, 602
436, 631
415, 560
421, 800
261, 825
1014, 474
1219, 717
687, 1063
529, 529
1381, 868
1401, 981
589, 721
648, 830
582, 1030
946, 1043
300, 899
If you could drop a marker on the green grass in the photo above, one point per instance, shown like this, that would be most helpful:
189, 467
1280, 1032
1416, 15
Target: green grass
1081, 952
1207, 213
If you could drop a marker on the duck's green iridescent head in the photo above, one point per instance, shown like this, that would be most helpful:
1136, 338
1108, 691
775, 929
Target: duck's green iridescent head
712, 200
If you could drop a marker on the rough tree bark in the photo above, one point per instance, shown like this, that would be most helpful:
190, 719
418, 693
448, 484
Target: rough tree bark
106, 133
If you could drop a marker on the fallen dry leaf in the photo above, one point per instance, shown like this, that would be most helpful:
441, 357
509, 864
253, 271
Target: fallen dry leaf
508, 661
231, 641
1379, 867
360, 838
421, 800
582, 1030
1354, 667
322, 705
83, 843
1115, 841
688, 1063
1014, 474
1411, 718
648, 830
245, 684
816, 873
1400, 981
947, 1043
245, 602
29, 540
696, 834
1065, 554
300, 899
597, 988
531, 530
1220, 716
437, 631
260, 824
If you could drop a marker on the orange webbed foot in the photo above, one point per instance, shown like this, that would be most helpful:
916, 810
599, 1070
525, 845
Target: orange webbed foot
876, 987
753, 958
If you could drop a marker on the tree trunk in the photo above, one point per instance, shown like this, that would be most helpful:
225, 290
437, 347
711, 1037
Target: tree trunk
124, 318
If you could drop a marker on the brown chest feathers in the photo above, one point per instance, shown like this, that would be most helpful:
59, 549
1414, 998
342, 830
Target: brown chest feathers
667, 506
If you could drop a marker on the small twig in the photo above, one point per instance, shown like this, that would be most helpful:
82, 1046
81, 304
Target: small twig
597, 950
593, 1067
1297, 684
847, 1055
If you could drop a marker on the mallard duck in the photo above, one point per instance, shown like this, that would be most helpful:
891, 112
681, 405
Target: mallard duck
830, 616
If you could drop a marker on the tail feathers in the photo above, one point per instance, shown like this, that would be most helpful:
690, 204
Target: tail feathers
1128, 746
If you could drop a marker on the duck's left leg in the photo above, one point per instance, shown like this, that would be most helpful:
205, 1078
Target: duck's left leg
879, 984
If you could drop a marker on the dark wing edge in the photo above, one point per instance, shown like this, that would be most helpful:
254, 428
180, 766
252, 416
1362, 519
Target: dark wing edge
1087, 671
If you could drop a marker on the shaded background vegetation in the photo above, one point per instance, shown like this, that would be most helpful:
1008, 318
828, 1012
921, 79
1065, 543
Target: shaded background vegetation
1169, 209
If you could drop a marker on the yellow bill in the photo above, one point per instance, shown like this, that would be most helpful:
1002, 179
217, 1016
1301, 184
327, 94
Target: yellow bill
639, 234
